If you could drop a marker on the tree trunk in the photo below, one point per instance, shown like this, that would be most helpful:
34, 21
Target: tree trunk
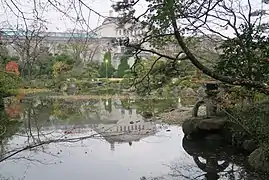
264, 88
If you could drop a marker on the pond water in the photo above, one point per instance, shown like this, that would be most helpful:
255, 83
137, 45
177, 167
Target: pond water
108, 139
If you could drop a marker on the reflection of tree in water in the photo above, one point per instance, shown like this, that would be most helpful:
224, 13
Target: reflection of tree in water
7, 129
150, 105
213, 161
35, 115
108, 104
46, 121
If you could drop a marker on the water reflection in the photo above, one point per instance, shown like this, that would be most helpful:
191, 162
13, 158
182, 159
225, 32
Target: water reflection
45, 121
107, 139
214, 160
126, 131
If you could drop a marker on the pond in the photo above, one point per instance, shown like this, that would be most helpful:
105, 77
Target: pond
108, 139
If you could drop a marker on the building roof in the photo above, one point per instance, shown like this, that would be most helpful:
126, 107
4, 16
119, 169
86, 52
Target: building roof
110, 20
21, 33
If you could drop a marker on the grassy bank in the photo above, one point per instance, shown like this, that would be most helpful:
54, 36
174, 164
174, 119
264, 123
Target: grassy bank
33, 90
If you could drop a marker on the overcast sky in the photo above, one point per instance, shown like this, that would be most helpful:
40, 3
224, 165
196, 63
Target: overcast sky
56, 20
66, 19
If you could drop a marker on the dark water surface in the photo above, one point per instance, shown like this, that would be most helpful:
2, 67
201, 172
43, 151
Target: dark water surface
108, 139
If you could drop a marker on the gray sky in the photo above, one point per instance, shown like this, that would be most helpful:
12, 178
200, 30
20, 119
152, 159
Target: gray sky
57, 21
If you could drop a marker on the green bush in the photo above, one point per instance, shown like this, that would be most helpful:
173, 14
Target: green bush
186, 82
9, 83
123, 67
253, 118
84, 84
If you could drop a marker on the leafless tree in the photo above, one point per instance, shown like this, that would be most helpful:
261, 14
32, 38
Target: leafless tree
30, 37
25, 38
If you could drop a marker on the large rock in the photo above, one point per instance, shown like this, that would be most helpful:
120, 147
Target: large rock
250, 145
259, 160
211, 124
189, 126
203, 125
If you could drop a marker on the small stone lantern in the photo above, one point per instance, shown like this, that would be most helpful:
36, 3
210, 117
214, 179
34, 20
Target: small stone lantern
211, 103
209, 100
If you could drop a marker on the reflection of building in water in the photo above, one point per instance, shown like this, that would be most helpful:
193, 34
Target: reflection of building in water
126, 131
115, 123
127, 126
116, 111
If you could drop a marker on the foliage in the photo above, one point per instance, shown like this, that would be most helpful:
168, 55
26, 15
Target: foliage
171, 24
13, 67
186, 81
254, 118
59, 68
88, 71
150, 105
155, 73
84, 85
7, 127
127, 80
106, 68
46, 65
245, 59
123, 66
65, 58
5, 57
9, 83
58, 111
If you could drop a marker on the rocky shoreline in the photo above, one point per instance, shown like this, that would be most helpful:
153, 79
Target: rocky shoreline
221, 128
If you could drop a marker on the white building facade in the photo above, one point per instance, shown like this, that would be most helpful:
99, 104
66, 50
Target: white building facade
112, 30
93, 45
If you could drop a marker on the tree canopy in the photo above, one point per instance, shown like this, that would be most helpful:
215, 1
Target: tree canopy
123, 66
106, 68
223, 22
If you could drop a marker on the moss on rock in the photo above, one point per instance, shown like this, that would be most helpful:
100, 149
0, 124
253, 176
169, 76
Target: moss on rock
258, 159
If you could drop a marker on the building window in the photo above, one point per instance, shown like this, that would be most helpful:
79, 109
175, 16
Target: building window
120, 32
122, 49
124, 32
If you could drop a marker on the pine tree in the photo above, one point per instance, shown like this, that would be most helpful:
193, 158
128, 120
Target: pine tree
123, 66
106, 68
